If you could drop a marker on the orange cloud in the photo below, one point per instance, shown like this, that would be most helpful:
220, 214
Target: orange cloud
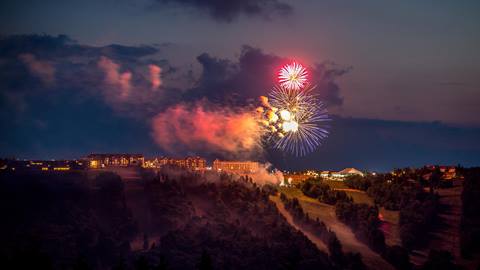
155, 79
199, 128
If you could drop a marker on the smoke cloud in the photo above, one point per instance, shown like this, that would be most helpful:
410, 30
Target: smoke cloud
41, 69
155, 76
262, 176
253, 74
207, 128
114, 77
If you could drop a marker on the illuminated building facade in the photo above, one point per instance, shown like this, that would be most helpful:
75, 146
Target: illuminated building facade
448, 172
114, 160
241, 167
193, 163
341, 175
326, 175
296, 178
42, 165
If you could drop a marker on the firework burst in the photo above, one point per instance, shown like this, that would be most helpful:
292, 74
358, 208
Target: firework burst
293, 76
295, 121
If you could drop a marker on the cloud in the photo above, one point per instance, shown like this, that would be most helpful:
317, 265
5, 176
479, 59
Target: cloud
324, 75
120, 79
155, 79
44, 70
113, 74
254, 75
207, 128
227, 11
115, 78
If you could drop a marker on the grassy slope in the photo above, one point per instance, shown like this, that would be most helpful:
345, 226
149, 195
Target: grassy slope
326, 213
390, 218
320, 245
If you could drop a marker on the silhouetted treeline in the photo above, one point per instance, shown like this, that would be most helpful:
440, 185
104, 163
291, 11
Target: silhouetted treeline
470, 220
440, 260
418, 208
63, 221
189, 221
315, 188
364, 221
232, 225
339, 258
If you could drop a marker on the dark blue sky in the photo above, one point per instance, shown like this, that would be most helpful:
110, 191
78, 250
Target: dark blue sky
402, 78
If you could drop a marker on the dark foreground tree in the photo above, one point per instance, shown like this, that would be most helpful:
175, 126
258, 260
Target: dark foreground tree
205, 261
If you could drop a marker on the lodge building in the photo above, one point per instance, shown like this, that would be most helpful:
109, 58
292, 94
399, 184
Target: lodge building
96, 161
240, 167
193, 163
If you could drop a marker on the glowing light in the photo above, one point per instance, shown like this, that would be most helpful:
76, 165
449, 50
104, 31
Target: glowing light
272, 117
285, 115
299, 125
61, 168
293, 76
290, 126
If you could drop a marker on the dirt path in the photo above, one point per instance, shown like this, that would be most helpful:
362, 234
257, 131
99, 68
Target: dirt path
344, 233
350, 243
281, 208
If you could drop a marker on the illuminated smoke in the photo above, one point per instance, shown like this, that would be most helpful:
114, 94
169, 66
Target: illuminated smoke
41, 69
202, 128
263, 176
155, 79
114, 77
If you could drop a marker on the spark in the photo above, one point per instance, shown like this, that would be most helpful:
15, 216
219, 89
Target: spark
293, 76
285, 115
290, 126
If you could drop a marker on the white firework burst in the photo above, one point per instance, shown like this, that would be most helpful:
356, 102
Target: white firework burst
293, 76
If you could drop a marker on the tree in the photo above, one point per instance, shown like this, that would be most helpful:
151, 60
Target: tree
439, 260
141, 263
205, 261
335, 248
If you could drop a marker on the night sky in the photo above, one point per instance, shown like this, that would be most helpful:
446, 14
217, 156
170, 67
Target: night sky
401, 80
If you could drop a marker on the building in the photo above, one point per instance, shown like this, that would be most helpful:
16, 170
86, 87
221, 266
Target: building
325, 174
42, 165
193, 163
448, 172
240, 167
350, 171
96, 161
341, 175
296, 178
445, 172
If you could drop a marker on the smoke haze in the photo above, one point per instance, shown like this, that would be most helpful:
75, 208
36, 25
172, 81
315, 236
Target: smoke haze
207, 128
